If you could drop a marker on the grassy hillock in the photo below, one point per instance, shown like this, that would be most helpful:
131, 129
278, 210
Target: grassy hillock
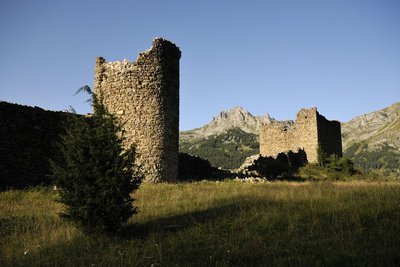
215, 224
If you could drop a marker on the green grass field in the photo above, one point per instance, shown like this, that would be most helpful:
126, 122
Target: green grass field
216, 224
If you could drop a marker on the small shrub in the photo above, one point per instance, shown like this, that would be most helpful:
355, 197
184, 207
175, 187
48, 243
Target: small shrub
341, 165
322, 157
331, 167
95, 174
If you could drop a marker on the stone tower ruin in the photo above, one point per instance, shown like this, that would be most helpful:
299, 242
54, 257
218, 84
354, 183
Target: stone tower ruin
144, 95
310, 132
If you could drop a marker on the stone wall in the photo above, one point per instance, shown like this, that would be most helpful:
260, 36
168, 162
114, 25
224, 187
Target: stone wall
28, 140
145, 95
329, 136
310, 131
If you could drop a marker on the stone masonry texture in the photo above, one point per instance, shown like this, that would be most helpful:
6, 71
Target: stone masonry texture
310, 131
144, 95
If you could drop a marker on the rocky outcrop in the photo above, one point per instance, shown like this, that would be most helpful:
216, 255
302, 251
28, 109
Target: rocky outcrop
236, 117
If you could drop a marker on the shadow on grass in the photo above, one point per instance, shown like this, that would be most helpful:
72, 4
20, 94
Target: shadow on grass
226, 208
183, 221
11, 225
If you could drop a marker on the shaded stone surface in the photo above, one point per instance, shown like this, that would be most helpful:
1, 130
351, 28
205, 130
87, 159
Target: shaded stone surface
28, 140
193, 168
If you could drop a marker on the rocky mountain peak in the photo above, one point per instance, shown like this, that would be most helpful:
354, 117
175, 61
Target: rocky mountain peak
237, 117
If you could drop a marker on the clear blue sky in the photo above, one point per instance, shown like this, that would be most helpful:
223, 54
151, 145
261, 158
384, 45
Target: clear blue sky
266, 56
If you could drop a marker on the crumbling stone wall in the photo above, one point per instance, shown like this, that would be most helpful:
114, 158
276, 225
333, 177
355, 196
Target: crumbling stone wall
283, 165
145, 96
310, 131
28, 140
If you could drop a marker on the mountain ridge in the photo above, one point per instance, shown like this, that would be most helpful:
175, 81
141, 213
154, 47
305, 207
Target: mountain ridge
377, 128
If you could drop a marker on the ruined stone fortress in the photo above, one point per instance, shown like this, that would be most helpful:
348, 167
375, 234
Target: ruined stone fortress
145, 96
310, 132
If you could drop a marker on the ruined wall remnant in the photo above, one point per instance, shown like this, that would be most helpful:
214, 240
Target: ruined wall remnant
310, 131
282, 165
29, 137
145, 96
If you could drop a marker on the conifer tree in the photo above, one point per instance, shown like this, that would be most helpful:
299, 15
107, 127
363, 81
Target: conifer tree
96, 175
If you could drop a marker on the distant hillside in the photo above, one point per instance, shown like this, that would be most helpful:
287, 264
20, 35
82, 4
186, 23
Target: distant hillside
226, 150
372, 140
228, 139
377, 129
